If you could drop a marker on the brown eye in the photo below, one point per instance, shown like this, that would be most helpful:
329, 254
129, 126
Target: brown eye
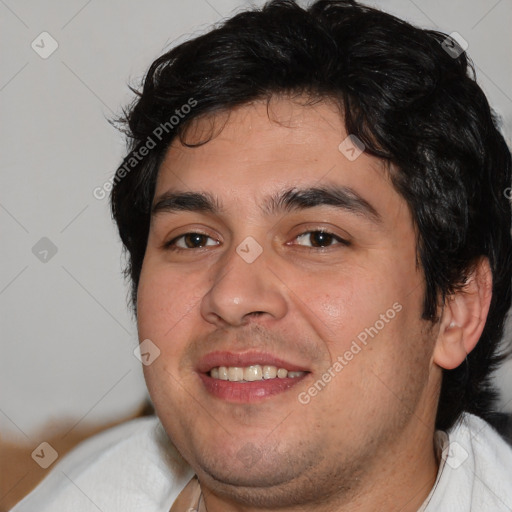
190, 241
320, 239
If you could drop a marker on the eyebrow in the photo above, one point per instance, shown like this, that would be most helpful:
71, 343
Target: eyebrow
293, 199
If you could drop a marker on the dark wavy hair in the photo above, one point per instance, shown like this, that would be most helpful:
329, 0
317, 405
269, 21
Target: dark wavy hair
412, 103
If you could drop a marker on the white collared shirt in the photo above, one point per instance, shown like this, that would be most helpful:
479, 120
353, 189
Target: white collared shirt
134, 468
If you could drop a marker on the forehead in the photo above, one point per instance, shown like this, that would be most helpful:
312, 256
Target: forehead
259, 148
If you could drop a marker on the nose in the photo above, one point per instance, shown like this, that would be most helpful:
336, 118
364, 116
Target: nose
242, 291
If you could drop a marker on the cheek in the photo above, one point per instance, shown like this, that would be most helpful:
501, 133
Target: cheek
164, 299
344, 305
165, 306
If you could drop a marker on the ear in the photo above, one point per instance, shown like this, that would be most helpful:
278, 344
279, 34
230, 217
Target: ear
463, 318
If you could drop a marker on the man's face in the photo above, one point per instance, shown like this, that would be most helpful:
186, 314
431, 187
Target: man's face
258, 285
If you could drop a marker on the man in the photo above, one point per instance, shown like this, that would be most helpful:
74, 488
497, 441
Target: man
319, 244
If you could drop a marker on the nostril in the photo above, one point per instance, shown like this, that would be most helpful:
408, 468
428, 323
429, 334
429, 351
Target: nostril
257, 313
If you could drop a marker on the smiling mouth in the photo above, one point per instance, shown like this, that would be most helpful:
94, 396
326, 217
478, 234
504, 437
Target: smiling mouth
252, 373
247, 377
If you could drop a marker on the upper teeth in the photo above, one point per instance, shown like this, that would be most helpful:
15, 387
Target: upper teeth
251, 373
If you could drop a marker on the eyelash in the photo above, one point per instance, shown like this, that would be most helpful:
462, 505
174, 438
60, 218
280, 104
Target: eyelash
171, 245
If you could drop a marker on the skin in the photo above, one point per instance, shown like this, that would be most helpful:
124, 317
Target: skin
365, 441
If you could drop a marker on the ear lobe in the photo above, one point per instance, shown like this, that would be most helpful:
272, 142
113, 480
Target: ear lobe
463, 318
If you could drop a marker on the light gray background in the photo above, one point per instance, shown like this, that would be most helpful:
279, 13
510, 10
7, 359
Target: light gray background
67, 335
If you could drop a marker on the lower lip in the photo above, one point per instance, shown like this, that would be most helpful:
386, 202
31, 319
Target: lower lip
243, 392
